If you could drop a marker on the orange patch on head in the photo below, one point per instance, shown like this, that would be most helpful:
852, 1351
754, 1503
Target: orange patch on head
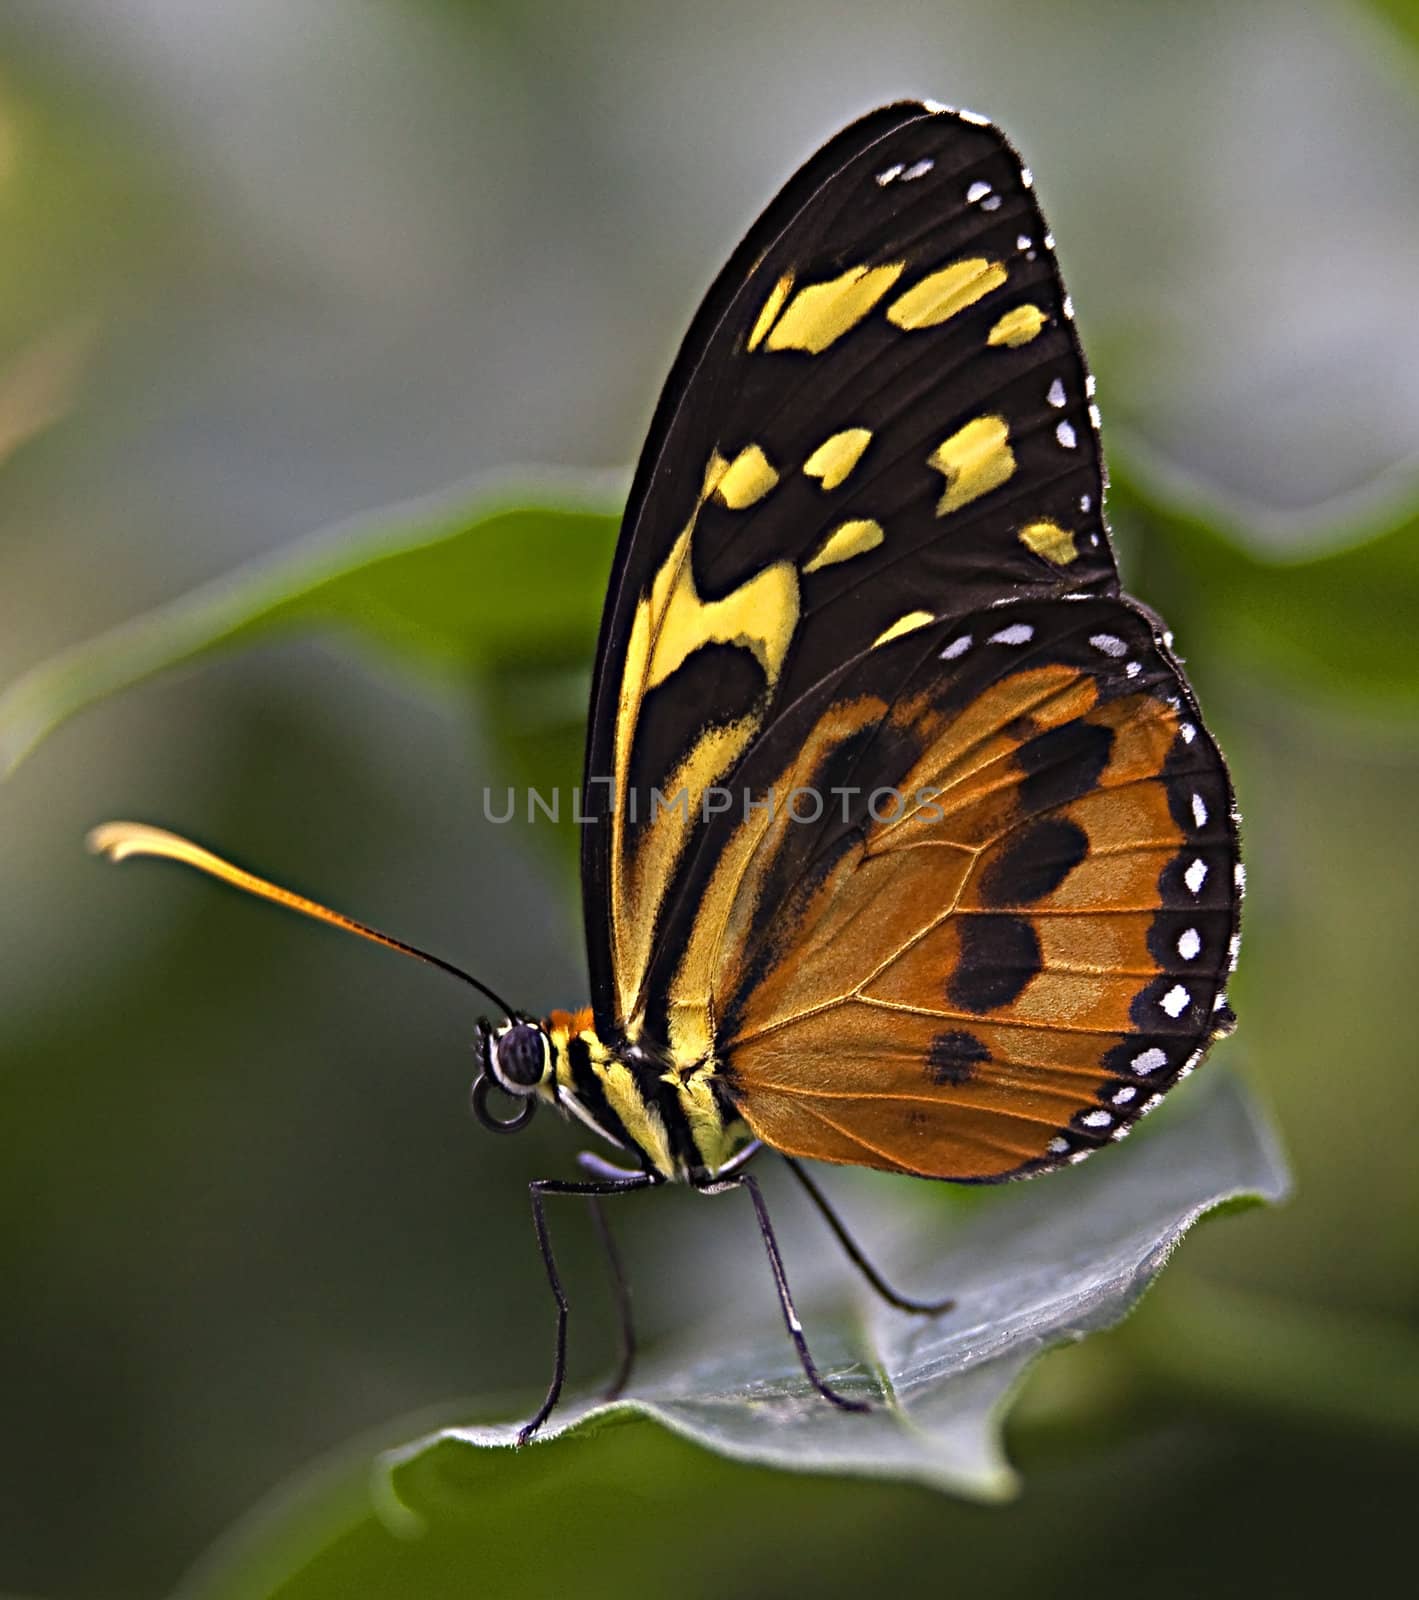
567, 1024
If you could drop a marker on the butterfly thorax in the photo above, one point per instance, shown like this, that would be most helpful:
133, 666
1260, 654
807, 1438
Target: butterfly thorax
678, 1120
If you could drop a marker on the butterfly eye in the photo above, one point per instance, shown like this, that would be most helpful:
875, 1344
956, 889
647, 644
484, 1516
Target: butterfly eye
520, 1057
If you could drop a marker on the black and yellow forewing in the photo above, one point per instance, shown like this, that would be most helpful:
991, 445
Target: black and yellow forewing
880, 416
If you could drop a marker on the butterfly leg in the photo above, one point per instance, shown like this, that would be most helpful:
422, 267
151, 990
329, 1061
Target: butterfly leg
785, 1298
928, 1308
595, 1192
590, 1161
621, 1288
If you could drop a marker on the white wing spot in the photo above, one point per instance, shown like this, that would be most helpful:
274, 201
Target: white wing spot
1190, 944
1086, 502
1089, 384
956, 648
973, 116
1188, 732
1149, 1061
1024, 242
1056, 393
1094, 416
1049, 241
1239, 875
1065, 434
1027, 177
919, 169
1176, 1001
1121, 1097
1196, 876
1151, 1103
977, 191
1109, 643
1132, 670
1016, 633
991, 204
1057, 1146
1097, 1119
1199, 810
884, 178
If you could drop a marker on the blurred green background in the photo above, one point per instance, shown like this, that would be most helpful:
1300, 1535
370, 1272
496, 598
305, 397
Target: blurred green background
266, 265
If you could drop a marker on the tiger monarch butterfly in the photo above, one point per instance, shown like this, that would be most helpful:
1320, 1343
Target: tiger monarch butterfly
865, 555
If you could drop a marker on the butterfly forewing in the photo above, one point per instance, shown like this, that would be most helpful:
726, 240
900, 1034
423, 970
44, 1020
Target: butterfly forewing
878, 439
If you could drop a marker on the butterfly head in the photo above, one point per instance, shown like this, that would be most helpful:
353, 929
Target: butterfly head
516, 1057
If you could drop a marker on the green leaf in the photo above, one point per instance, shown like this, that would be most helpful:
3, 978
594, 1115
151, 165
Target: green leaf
1032, 1266
1333, 621
491, 583
1045, 1263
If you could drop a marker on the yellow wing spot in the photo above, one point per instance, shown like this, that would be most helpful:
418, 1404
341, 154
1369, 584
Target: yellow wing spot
942, 294
747, 478
844, 542
907, 624
715, 469
837, 456
975, 460
823, 312
772, 306
1049, 540
1017, 327
759, 616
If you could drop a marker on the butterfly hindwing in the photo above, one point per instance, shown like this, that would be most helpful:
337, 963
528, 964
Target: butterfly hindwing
880, 417
966, 966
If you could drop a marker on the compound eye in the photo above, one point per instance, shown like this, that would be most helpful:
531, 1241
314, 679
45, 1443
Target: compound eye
522, 1055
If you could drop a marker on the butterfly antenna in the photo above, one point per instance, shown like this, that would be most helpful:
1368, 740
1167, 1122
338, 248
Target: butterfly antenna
119, 840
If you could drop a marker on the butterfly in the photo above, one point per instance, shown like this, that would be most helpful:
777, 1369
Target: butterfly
905, 845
